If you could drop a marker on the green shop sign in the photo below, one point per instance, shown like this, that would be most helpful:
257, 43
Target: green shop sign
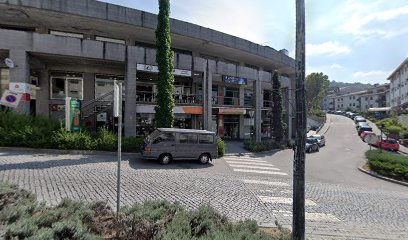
75, 115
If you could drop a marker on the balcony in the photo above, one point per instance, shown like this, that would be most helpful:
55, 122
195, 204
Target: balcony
226, 101
267, 103
179, 99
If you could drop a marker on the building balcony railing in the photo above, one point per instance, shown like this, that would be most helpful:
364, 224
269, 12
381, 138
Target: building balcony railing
180, 99
267, 103
226, 101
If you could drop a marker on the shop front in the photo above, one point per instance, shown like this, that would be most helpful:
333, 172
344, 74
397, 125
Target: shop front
230, 122
190, 117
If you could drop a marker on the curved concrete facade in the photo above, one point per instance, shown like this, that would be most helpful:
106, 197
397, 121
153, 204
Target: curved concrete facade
93, 40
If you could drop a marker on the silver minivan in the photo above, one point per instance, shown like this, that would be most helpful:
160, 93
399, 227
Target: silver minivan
166, 144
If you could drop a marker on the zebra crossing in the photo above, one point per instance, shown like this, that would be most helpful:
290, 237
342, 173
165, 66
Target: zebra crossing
273, 188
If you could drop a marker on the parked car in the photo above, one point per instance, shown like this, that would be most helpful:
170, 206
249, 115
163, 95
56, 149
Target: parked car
338, 112
388, 144
352, 115
364, 128
312, 145
365, 133
359, 124
358, 119
167, 144
320, 139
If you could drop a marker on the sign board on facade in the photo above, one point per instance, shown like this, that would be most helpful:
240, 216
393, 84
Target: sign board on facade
102, 117
10, 99
234, 80
155, 69
231, 111
20, 87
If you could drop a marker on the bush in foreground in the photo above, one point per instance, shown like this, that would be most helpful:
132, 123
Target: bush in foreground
152, 220
388, 164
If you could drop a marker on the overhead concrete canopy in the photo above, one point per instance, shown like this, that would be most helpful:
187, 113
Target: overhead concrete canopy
92, 17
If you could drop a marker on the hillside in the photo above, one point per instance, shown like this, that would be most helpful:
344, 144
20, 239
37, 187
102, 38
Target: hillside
351, 87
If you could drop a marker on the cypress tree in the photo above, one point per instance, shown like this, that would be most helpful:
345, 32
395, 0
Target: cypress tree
277, 109
164, 59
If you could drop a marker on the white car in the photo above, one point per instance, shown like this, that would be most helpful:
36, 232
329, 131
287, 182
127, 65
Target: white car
320, 139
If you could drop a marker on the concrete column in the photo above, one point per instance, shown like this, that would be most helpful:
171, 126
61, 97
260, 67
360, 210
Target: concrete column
43, 94
208, 98
130, 92
205, 96
258, 107
241, 96
89, 86
21, 74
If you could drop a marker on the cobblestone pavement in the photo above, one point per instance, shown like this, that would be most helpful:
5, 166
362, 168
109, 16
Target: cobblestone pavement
341, 202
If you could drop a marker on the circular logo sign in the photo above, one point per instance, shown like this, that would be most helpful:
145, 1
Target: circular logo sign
11, 98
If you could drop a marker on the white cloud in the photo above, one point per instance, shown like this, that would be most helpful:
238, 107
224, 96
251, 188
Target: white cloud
336, 66
327, 48
374, 76
374, 19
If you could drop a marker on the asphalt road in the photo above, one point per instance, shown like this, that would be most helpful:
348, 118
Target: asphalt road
341, 202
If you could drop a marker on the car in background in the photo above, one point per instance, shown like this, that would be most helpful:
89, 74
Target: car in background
312, 145
320, 139
359, 124
352, 115
338, 112
388, 144
365, 133
364, 128
358, 119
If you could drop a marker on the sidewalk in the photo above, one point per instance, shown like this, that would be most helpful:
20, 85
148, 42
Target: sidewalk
323, 129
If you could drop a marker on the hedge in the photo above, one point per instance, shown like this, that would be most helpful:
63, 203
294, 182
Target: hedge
388, 164
261, 146
22, 217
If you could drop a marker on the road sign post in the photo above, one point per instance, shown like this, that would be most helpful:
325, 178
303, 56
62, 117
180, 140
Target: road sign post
117, 113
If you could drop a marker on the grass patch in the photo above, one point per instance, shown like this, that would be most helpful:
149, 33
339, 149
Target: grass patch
151, 220
388, 164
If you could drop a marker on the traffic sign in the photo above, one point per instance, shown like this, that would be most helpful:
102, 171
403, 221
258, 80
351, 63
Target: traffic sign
371, 139
10, 99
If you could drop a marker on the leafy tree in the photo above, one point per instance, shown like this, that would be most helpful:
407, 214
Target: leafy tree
316, 85
164, 59
277, 109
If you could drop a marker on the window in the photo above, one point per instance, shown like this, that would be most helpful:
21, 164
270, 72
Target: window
104, 84
164, 137
188, 138
206, 139
111, 40
371, 98
66, 34
61, 84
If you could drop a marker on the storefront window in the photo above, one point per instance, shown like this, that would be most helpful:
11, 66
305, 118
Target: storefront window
104, 84
231, 126
74, 86
231, 96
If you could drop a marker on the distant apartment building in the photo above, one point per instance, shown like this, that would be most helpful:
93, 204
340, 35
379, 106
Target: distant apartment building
399, 86
359, 101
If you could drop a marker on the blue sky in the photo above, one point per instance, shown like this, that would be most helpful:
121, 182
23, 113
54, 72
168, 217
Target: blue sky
349, 40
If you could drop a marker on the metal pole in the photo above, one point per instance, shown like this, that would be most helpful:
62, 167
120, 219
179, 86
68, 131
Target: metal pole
119, 149
298, 221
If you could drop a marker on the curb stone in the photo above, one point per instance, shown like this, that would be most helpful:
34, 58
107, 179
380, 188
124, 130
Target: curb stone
58, 151
382, 177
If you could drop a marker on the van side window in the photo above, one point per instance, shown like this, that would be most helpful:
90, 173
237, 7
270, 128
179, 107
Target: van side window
188, 138
164, 137
206, 139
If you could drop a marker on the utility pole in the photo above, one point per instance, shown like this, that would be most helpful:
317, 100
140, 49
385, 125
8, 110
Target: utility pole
298, 221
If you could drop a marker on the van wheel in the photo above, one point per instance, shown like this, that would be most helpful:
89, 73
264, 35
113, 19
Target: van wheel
165, 159
204, 158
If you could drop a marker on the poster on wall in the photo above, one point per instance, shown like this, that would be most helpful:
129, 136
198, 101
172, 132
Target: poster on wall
75, 115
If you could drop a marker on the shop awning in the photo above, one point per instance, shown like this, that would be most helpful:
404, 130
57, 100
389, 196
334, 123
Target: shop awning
232, 111
381, 109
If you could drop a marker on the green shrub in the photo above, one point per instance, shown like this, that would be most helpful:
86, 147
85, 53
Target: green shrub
388, 164
106, 140
21, 229
221, 147
404, 134
70, 140
132, 144
261, 146
393, 130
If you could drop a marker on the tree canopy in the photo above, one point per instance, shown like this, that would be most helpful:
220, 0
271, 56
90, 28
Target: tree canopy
316, 85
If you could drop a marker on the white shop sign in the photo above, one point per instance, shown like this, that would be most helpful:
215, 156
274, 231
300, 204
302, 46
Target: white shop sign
155, 69
20, 87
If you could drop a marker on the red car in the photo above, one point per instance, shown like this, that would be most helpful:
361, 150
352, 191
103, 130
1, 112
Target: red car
388, 144
365, 133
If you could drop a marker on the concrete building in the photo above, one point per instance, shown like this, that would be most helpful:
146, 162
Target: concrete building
399, 86
79, 47
359, 101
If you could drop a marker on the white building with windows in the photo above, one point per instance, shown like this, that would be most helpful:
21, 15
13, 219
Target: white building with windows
399, 86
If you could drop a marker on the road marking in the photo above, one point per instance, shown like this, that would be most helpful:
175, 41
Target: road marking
282, 200
256, 171
245, 160
256, 167
250, 163
311, 216
265, 182
275, 191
